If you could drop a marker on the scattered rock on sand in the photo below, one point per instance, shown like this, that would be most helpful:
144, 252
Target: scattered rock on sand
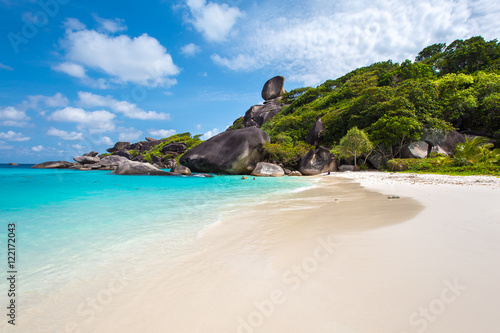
181, 170
53, 165
317, 161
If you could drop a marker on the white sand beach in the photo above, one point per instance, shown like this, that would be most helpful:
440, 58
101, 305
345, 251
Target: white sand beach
336, 258
341, 257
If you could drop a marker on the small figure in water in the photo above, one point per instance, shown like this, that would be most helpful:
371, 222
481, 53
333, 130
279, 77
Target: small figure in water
253, 178
243, 178
328, 173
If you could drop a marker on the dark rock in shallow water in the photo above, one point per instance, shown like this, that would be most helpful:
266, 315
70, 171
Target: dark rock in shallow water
138, 168
13, 164
231, 152
86, 159
317, 161
273, 88
315, 133
112, 160
182, 170
264, 169
53, 165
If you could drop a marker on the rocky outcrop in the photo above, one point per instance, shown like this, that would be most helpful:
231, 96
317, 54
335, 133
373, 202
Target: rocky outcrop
417, 149
273, 88
446, 140
295, 174
264, 169
53, 165
231, 152
170, 163
317, 161
138, 168
119, 146
14, 164
92, 153
86, 159
257, 115
315, 133
112, 161
149, 139
124, 153
180, 169
174, 148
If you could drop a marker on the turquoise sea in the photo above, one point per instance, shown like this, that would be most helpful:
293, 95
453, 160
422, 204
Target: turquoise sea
71, 224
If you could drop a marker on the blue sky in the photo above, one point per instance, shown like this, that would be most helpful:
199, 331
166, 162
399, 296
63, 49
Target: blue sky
79, 75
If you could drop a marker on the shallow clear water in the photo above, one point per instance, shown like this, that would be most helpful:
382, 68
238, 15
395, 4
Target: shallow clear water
70, 224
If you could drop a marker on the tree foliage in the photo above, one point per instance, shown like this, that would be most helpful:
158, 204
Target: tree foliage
354, 144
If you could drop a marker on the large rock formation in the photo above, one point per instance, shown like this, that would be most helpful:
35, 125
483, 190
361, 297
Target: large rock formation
231, 152
174, 148
119, 146
417, 149
138, 168
264, 169
317, 161
257, 115
112, 161
86, 159
446, 140
53, 165
315, 133
273, 88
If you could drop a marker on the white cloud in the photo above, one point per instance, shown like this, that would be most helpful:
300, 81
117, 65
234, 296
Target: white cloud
129, 110
13, 136
129, 134
3, 146
141, 60
198, 126
94, 121
10, 116
37, 148
34, 102
162, 133
71, 69
105, 140
210, 134
112, 26
190, 50
6, 67
73, 24
214, 21
315, 40
70, 136
79, 147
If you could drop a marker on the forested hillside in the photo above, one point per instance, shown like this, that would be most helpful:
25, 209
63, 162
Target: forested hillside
446, 87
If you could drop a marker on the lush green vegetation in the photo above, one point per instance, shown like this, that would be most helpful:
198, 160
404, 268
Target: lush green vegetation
187, 138
454, 87
353, 144
471, 158
445, 88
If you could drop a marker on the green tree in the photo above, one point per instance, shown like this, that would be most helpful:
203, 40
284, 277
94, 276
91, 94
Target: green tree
393, 132
354, 144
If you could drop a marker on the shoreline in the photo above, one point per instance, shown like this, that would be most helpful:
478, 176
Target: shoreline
339, 256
